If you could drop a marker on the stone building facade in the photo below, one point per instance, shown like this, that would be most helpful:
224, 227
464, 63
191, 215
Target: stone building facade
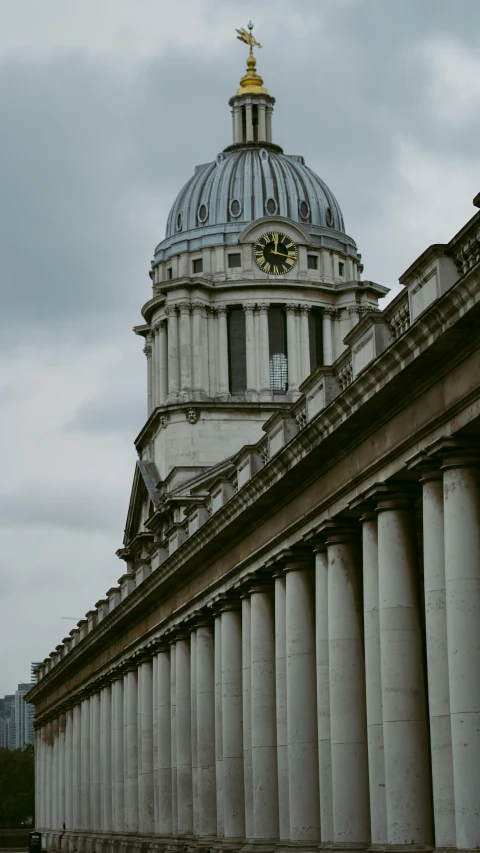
291, 656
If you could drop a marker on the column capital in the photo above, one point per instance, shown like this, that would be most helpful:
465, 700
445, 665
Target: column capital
262, 307
171, 310
259, 581
291, 309
339, 531
248, 307
222, 310
225, 602
198, 307
184, 307
304, 308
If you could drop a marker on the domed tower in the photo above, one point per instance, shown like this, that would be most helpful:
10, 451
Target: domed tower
254, 286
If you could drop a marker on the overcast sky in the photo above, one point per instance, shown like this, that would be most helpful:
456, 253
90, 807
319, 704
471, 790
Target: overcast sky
106, 106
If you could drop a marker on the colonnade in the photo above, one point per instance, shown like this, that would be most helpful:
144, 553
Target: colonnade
188, 351
329, 697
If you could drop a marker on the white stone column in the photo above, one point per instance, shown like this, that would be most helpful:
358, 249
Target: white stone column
38, 796
219, 726
405, 729
86, 765
269, 123
213, 350
149, 354
106, 738
77, 767
200, 348
61, 770
155, 367
373, 679
264, 351
145, 747
281, 704
163, 363
323, 695
173, 735
184, 736
173, 353
250, 351
327, 334
185, 347
130, 746
163, 825
54, 784
304, 342
348, 726
292, 350
247, 714
263, 711
69, 768
194, 730
232, 729
205, 689
95, 778
437, 659
118, 702
304, 803
461, 481
237, 125
223, 382
262, 123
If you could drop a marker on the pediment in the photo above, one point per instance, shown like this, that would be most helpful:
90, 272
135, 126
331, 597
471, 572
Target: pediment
280, 223
144, 499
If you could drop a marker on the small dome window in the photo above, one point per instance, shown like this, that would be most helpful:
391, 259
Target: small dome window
329, 217
271, 206
179, 222
264, 154
202, 213
220, 159
304, 209
235, 208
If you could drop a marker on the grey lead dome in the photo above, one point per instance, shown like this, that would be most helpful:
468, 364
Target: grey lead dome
249, 183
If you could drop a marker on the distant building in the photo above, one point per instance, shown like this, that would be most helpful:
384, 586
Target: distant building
24, 714
16, 718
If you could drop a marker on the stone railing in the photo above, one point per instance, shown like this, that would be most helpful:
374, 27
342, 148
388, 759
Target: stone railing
344, 369
397, 315
467, 254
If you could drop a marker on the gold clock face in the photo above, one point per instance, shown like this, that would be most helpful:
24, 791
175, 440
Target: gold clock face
275, 253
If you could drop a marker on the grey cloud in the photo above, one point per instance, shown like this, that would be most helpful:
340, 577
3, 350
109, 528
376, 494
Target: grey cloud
56, 508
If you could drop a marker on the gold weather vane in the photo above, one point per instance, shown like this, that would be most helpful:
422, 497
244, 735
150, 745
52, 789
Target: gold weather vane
248, 38
251, 82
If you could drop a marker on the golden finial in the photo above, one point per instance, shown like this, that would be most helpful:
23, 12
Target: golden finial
251, 82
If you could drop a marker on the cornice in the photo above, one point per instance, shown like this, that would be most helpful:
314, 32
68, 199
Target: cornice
390, 367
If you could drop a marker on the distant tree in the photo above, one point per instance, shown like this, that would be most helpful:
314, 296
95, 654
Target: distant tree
17, 786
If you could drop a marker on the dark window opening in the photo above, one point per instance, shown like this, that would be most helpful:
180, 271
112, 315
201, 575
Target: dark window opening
169, 273
277, 337
315, 338
198, 265
237, 356
341, 268
244, 124
234, 261
312, 262
255, 122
